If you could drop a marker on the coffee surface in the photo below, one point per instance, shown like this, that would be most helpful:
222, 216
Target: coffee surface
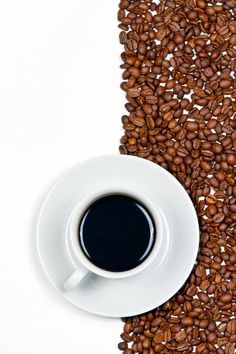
117, 233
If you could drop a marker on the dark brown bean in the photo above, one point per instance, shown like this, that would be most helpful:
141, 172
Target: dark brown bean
122, 345
219, 217
180, 336
128, 327
225, 83
226, 297
191, 126
212, 337
187, 321
138, 330
128, 351
203, 297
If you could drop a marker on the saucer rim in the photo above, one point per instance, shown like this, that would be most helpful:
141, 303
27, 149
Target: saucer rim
195, 232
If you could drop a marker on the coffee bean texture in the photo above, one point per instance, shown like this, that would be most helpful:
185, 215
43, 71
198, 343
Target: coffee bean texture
179, 63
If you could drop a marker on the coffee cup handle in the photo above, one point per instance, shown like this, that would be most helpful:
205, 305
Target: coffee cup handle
75, 278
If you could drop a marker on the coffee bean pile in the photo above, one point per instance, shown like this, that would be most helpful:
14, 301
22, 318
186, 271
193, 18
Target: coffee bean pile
179, 77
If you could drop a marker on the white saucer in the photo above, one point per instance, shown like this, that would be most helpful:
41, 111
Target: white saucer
157, 283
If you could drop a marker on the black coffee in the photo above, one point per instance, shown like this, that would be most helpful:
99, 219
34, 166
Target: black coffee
117, 233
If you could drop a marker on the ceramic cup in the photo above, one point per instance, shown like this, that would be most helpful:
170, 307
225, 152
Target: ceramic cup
82, 264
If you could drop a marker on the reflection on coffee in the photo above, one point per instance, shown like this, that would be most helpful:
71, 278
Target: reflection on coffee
117, 233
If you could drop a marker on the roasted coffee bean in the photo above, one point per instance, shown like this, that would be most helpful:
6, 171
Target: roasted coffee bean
187, 321
128, 351
122, 345
179, 64
227, 297
180, 336
146, 343
125, 337
128, 327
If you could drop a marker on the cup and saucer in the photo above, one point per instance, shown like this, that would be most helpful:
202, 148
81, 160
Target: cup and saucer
139, 266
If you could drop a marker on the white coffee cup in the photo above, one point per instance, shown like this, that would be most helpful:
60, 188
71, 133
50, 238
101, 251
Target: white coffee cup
82, 264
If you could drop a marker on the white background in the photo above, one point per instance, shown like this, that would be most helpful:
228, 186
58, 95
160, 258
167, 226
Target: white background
60, 103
